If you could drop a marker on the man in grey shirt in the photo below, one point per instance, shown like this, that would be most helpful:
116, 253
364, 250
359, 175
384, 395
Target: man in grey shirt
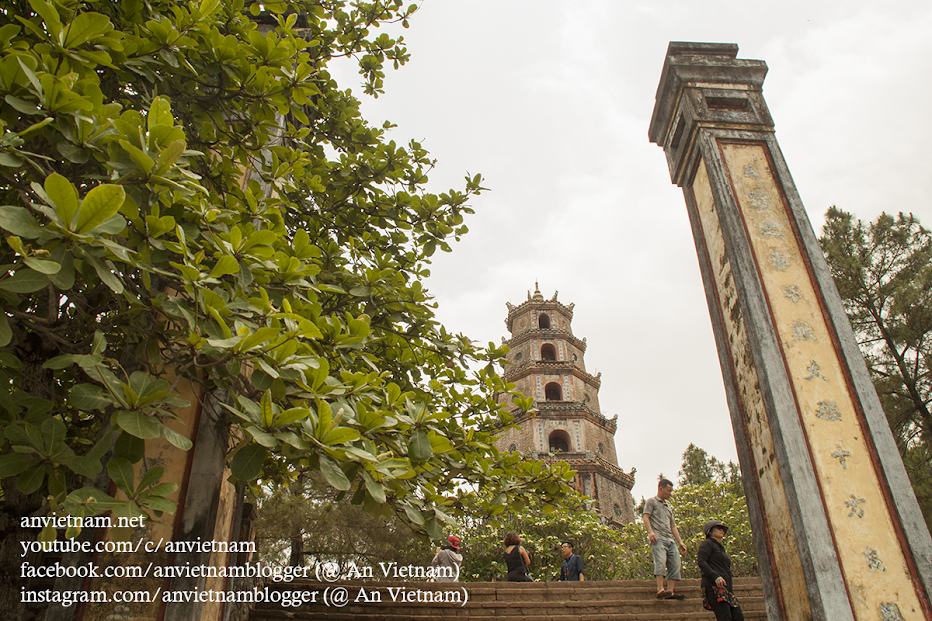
662, 532
448, 560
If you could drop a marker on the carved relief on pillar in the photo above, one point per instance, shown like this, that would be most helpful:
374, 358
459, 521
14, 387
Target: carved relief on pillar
820, 388
791, 579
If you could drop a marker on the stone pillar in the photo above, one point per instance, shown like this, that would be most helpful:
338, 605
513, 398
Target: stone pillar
838, 532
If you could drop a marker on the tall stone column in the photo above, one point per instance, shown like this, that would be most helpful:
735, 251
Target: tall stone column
837, 529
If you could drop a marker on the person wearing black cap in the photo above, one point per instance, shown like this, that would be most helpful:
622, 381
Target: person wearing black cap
715, 565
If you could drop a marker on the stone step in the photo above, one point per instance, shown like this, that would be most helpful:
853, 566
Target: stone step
485, 601
375, 615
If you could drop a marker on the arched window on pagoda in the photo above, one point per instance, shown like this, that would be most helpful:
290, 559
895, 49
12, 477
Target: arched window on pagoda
548, 352
553, 392
543, 321
559, 442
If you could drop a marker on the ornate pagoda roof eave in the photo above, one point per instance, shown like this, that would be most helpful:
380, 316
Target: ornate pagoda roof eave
537, 302
589, 462
546, 333
565, 409
516, 371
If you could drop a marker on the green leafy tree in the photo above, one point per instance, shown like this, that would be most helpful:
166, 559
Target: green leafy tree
611, 554
700, 468
542, 528
883, 271
305, 523
190, 199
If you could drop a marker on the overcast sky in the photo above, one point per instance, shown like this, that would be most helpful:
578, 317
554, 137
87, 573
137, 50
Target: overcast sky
551, 100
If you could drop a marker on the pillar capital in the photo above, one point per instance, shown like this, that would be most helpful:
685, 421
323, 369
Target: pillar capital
705, 85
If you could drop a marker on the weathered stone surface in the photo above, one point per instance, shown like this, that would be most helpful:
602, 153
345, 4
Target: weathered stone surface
487, 601
837, 528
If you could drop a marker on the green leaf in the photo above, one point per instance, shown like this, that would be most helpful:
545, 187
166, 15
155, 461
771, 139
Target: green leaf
31, 480
261, 380
258, 337
25, 280
333, 474
162, 489
99, 344
53, 434
112, 226
207, 7
440, 444
9, 160
62, 362
138, 424
266, 408
143, 160
47, 534
64, 196
419, 448
414, 515
175, 438
168, 156
83, 27
130, 447
434, 529
85, 466
121, 472
291, 415
72, 152
98, 205
151, 477
158, 503
88, 501
49, 15
106, 275
226, 265
100, 449
64, 278
160, 112
159, 226
13, 464
57, 482
89, 397
375, 489
6, 333
247, 462
44, 267
26, 108
19, 221
341, 435
262, 437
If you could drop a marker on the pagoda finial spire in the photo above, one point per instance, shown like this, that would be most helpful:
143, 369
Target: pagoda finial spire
537, 294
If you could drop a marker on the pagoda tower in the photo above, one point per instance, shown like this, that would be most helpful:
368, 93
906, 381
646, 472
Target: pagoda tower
547, 363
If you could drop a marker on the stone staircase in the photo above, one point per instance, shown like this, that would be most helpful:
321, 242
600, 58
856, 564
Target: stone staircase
487, 601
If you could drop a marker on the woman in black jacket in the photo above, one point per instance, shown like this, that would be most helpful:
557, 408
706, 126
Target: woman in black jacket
715, 565
516, 559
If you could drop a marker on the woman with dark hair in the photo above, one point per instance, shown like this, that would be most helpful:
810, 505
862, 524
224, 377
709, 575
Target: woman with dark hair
516, 559
715, 565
